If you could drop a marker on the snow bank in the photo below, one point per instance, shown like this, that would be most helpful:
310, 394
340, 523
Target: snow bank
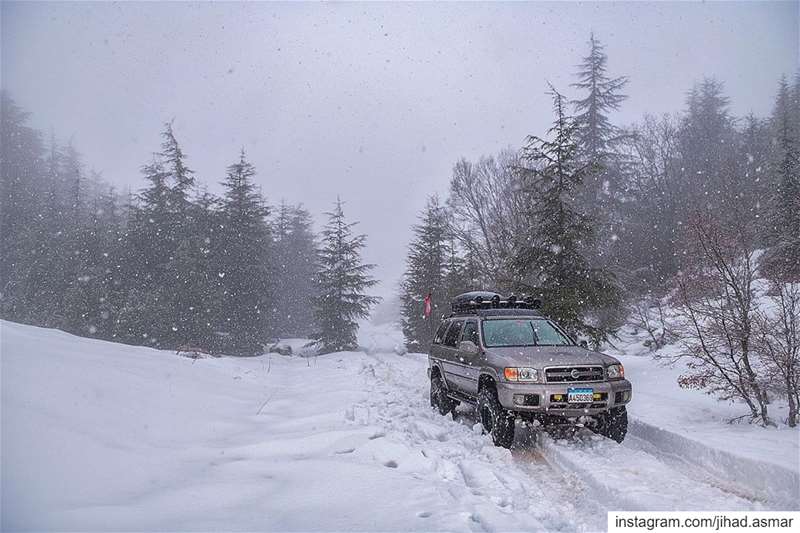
660, 402
767, 481
100, 436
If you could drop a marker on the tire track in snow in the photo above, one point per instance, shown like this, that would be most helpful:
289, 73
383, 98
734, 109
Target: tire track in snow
578, 479
772, 484
522, 486
633, 476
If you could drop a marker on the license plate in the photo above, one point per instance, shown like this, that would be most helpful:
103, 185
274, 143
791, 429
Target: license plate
579, 395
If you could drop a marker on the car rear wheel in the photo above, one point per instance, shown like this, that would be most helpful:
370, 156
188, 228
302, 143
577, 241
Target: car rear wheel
496, 421
613, 424
439, 399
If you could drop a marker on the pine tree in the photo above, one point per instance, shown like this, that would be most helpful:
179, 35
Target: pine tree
243, 262
180, 175
596, 138
182, 280
343, 278
552, 258
708, 148
95, 296
45, 261
752, 187
296, 266
197, 289
426, 272
145, 314
22, 189
162, 301
60, 246
783, 261
463, 272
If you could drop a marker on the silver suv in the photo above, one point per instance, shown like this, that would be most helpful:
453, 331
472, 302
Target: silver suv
504, 357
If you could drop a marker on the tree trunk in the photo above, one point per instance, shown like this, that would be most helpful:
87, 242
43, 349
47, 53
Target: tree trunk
792, 404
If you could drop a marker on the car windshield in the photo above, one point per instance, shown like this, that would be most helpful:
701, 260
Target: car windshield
522, 332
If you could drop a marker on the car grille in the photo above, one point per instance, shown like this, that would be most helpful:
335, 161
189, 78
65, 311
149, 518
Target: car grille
574, 374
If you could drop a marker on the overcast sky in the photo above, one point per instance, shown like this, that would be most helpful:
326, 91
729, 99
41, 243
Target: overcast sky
373, 102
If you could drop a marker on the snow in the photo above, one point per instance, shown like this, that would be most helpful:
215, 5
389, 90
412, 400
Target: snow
99, 435
381, 338
660, 402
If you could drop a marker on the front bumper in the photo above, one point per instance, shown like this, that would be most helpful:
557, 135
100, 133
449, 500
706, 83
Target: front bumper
612, 393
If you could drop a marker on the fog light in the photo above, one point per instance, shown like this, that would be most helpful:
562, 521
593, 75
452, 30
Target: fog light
596, 396
626, 396
530, 400
558, 397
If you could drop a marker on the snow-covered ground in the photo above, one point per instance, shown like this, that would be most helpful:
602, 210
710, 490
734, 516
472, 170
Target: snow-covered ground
660, 402
99, 436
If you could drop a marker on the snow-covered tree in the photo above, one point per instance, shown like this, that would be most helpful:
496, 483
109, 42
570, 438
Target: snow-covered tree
487, 213
243, 249
651, 216
426, 274
295, 261
553, 254
716, 306
783, 260
96, 292
161, 223
343, 278
595, 136
708, 147
777, 334
181, 177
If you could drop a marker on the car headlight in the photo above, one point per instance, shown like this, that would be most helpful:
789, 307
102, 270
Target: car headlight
615, 371
521, 374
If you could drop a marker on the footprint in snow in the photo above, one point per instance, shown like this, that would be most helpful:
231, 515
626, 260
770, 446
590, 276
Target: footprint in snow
390, 464
424, 514
346, 450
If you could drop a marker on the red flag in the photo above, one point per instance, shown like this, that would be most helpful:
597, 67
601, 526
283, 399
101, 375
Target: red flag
428, 305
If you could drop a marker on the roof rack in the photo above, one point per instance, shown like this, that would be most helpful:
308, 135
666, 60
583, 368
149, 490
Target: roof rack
472, 302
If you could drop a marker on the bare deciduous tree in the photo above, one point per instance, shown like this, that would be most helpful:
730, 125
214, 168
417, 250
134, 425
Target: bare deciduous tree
778, 337
486, 204
716, 312
648, 314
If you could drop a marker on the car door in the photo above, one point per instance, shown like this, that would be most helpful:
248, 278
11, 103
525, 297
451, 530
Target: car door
436, 352
471, 368
450, 358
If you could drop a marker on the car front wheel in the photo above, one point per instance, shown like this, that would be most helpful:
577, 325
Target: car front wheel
496, 421
439, 399
613, 424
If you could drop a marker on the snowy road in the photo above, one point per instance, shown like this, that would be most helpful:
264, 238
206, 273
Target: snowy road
568, 483
97, 434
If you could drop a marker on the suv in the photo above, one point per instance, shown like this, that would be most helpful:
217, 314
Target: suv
511, 362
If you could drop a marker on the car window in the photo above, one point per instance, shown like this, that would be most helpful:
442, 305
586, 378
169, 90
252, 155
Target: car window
471, 332
453, 333
547, 334
522, 332
437, 339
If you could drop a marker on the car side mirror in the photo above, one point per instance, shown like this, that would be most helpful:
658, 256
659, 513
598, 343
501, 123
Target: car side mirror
468, 347
584, 344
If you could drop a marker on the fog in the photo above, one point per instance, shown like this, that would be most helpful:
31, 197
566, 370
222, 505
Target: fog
371, 102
